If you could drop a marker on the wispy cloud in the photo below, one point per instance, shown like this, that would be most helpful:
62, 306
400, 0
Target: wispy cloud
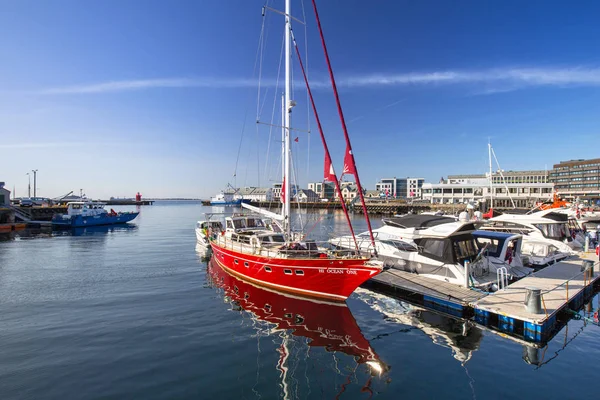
41, 145
491, 80
140, 84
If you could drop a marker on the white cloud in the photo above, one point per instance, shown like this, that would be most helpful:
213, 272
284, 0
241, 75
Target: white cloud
501, 79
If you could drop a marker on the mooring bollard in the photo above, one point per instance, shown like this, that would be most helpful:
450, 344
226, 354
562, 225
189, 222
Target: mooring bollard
588, 266
467, 274
533, 300
586, 244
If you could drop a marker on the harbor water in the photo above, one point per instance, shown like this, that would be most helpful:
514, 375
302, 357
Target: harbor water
138, 312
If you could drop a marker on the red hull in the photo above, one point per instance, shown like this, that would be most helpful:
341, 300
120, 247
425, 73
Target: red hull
332, 279
327, 325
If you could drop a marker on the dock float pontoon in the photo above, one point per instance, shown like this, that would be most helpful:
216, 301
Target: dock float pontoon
530, 308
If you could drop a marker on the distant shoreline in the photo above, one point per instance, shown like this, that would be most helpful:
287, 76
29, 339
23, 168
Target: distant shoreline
171, 199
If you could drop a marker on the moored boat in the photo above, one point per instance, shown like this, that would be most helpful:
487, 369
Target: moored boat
90, 213
285, 260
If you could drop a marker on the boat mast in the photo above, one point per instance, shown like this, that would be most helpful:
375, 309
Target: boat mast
491, 185
282, 152
287, 120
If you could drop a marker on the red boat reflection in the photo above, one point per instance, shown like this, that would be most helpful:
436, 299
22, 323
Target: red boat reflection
328, 325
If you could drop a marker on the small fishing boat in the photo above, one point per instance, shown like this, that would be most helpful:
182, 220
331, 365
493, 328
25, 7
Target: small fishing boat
90, 213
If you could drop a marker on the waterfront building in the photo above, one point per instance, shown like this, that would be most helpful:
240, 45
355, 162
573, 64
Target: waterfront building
373, 194
257, 193
525, 188
307, 196
277, 190
577, 179
4, 196
402, 188
325, 190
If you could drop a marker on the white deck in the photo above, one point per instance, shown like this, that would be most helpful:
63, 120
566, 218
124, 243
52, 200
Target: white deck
551, 280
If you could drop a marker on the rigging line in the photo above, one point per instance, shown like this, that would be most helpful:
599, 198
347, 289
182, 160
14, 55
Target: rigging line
295, 179
267, 174
237, 159
322, 135
307, 99
503, 179
343, 122
264, 44
261, 46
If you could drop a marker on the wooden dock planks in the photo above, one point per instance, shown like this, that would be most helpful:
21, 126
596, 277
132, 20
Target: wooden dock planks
551, 280
434, 288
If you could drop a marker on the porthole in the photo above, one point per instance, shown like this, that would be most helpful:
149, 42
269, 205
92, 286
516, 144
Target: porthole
246, 264
287, 271
299, 272
235, 262
268, 269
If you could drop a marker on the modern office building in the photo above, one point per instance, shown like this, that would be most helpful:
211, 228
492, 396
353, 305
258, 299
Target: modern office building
325, 190
402, 188
577, 179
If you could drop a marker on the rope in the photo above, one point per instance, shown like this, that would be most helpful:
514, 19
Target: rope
325, 147
343, 122
256, 59
576, 316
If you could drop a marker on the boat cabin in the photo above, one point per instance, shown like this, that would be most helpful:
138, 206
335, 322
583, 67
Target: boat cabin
498, 244
454, 249
85, 208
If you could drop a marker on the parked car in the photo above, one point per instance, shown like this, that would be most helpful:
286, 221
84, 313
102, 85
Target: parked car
26, 202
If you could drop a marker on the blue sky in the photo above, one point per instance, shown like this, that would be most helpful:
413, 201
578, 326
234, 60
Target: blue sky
117, 97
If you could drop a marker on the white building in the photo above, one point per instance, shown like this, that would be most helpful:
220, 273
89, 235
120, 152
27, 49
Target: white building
307, 196
523, 194
277, 190
402, 188
4, 195
257, 193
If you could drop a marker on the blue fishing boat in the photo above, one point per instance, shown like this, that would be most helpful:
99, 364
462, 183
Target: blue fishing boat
90, 213
228, 198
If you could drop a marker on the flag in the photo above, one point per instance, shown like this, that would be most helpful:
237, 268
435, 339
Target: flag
283, 191
296, 140
329, 174
349, 163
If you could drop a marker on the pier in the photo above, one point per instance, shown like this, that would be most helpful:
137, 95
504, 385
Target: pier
563, 289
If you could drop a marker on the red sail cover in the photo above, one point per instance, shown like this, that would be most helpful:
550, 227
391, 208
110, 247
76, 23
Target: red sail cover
283, 191
349, 168
329, 174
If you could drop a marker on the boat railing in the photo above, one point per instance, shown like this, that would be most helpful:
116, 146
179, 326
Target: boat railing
301, 249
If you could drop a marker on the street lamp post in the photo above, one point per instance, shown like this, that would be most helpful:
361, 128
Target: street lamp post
34, 182
29, 185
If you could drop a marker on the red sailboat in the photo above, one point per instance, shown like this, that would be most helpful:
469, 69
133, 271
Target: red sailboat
266, 251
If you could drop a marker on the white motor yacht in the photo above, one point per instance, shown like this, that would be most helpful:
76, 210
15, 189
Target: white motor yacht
437, 247
543, 227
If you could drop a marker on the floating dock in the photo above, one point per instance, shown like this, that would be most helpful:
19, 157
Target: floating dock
438, 295
564, 287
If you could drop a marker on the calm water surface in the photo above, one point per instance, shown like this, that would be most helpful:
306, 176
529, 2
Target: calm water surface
138, 313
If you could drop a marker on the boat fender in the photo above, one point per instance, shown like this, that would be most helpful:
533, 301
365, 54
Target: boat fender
255, 245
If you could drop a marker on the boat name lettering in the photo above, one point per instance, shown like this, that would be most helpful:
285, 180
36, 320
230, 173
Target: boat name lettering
335, 271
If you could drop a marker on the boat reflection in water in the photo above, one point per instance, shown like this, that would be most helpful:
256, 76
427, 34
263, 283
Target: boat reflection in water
460, 336
324, 324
